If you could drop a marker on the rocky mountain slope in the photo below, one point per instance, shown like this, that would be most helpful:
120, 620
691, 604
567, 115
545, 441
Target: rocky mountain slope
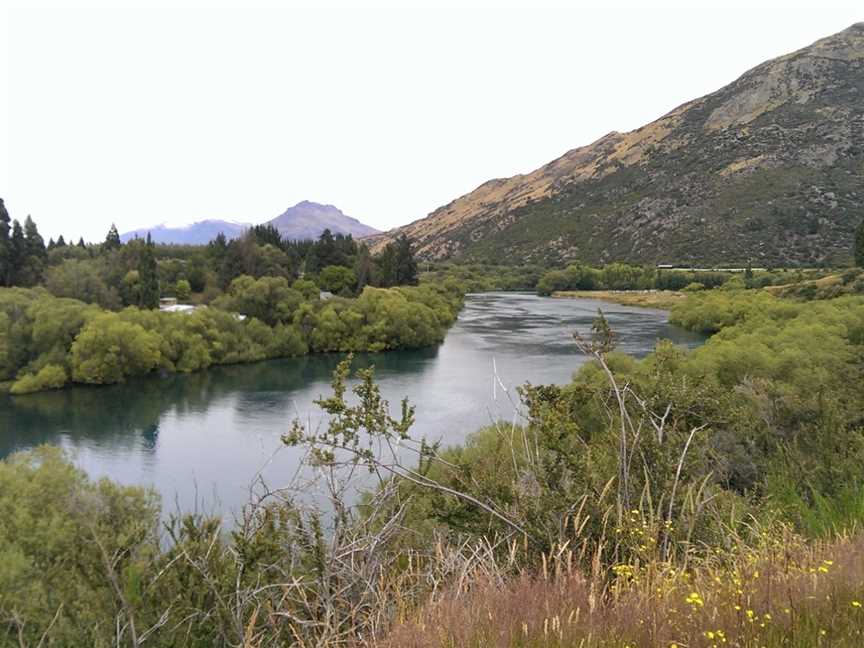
306, 220
769, 169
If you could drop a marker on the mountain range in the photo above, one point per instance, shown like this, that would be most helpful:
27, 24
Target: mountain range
305, 220
768, 170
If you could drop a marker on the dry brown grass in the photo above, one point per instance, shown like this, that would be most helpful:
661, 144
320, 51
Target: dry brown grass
664, 299
783, 593
822, 282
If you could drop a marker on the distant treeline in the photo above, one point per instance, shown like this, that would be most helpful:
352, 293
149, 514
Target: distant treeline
138, 273
622, 276
479, 277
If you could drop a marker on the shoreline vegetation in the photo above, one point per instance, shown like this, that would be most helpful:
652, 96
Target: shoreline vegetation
660, 299
47, 342
92, 313
696, 498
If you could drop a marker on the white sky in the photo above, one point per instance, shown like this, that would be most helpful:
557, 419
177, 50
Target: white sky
141, 116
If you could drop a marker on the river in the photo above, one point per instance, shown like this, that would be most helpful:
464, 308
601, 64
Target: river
200, 439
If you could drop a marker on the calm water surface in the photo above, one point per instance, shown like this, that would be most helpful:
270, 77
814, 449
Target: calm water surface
204, 437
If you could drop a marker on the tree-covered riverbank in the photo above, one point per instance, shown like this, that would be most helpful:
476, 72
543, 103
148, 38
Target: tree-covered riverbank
89, 313
47, 342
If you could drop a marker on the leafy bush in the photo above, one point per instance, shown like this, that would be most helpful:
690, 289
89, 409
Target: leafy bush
269, 299
182, 290
67, 547
49, 377
338, 279
109, 349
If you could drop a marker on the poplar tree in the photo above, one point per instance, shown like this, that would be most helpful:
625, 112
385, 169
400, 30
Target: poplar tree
406, 266
17, 253
363, 267
149, 277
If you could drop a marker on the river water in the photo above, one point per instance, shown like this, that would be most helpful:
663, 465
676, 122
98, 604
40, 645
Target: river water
201, 439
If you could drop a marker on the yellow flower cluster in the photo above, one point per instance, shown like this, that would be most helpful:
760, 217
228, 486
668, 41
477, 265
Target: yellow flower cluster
695, 600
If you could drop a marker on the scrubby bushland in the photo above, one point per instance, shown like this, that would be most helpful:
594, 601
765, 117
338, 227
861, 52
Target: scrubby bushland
766, 415
620, 276
668, 490
478, 277
847, 282
46, 341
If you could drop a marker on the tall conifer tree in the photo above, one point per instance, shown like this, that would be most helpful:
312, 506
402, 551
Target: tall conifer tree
5, 246
112, 239
148, 273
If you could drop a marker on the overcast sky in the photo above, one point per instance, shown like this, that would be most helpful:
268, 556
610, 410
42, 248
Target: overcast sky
143, 116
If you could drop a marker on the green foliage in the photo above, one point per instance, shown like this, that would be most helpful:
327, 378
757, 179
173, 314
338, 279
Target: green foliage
109, 349
327, 252
112, 239
396, 263
148, 291
37, 329
48, 377
17, 255
22, 252
620, 276
762, 422
58, 531
382, 319
5, 246
29, 273
45, 340
350, 425
81, 280
307, 288
712, 311
182, 290
765, 420
483, 278
269, 299
337, 279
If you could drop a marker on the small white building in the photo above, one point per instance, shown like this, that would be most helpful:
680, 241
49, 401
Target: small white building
170, 305
178, 308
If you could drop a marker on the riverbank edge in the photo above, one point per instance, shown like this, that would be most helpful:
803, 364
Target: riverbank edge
7, 387
662, 299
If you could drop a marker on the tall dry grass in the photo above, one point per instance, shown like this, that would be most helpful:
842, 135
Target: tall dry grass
782, 591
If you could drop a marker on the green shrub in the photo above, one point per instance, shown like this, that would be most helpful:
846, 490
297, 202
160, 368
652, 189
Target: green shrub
48, 377
109, 349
